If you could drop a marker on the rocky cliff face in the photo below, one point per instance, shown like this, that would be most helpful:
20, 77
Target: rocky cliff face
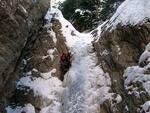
118, 50
122, 52
20, 22
42, 61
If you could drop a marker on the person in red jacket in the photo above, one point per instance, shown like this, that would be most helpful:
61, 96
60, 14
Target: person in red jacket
63, 57
65, 62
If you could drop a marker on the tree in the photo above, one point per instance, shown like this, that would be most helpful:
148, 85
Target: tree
86, 14
68, 7
108, 8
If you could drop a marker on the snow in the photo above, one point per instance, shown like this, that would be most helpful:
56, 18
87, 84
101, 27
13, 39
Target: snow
55, 108
24, 61
48, 74
67, 28
105, 52
97, 32
138, 74
28, 108
56, 3
53, 13
40, 86
53, 35
146, 107
48, 87
50, 54
82, 11
145, 55
131, 12
85, 85
118, 49
118, 98
127, 108
24, 10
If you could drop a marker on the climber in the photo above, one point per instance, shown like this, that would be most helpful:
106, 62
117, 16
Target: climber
65, 63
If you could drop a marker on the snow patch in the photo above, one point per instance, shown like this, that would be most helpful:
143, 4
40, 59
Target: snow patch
130, 12
28, 108
127, 108
97, 32
53, 35
146, 55
50, 54
105, 52
68, 31
82, 12
118, 98
48, 74
23, 9
47, 87
40, 86
139, 74
146, 107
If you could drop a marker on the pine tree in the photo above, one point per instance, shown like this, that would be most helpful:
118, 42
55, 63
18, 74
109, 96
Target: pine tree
108, 8
68, 7
85, 14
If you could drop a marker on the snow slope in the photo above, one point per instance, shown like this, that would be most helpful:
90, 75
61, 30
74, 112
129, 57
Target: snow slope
131, 12
85, 85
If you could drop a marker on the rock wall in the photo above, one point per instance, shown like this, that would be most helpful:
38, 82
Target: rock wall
117, 50
41, 61
20, 21
47, 49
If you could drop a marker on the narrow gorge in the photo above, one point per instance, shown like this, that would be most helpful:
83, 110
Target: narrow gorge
106, 70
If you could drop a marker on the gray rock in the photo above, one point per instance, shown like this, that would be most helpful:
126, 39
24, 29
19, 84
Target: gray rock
124, 46
20, 22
